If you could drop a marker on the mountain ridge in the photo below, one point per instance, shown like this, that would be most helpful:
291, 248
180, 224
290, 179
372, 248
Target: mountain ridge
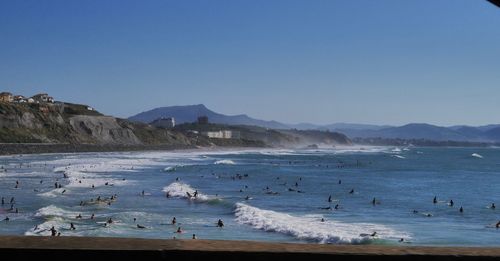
190, 113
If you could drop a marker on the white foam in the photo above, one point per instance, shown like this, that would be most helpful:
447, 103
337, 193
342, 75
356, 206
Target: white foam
52, 193
179, 189
310, 228
55, 211
475, 155
398, 156
225, 162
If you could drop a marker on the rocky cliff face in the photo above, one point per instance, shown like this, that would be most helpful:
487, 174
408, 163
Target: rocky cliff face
102, 129
75, 124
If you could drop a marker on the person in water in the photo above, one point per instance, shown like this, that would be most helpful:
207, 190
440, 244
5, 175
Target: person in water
435, 200
179, 230
330, 198
194, 236
498, 224
451, 203
139, 226
72, 226
461, 210
53, 231
492, 206
174, 221
374, 201
109, 221
220, 223
352, 191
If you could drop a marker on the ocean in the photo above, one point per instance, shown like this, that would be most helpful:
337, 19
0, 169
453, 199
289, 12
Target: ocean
346, 195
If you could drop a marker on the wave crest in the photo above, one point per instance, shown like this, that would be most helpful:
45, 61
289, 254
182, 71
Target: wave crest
310, 228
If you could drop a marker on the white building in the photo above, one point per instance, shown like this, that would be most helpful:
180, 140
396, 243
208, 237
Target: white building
222, 134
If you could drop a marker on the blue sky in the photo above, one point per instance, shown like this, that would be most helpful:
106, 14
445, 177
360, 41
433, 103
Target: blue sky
379, 62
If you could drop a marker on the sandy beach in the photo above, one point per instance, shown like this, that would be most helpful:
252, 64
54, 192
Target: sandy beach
69, 247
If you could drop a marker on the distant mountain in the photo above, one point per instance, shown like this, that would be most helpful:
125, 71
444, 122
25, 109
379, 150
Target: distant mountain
428, 132
354, 126
190, 113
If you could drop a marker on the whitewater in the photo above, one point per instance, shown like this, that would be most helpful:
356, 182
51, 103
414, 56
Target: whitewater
345, 195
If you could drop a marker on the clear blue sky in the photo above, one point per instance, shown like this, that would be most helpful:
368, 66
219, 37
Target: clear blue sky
380, 62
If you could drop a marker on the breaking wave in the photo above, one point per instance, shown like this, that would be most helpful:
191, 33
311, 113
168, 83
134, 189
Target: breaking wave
310, 228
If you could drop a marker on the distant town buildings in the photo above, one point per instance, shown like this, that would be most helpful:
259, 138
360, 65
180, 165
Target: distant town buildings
43, 98
164, 122
222, 134
39, 98
203, 120
6, 97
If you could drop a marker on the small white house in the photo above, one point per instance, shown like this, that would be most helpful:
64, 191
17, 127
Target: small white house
222, 134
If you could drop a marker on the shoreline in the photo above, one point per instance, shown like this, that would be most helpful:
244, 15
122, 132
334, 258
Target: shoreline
10, 149
27, 246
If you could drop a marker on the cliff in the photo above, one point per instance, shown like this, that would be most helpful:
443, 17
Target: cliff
85, 129
76, 124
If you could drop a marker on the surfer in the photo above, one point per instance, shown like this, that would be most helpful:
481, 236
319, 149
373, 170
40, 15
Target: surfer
139, 226
194, 236
79, 216
196, 193
6, 219
179, 230
219, 223
352, 191
374, 202
492, 206
435, 200
109, 221
92, 217
336, 206
53, 231
72, 226
340, 181
330, 198
451, 203
142, 193
322, 220
174, 221
374, 234
498, 224
461, 210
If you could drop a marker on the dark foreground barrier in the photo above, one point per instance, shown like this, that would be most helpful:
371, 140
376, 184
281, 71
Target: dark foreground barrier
78, 248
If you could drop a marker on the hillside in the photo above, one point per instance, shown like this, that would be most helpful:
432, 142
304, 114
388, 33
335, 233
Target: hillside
273, 137
190, 113
75, 124
74, 127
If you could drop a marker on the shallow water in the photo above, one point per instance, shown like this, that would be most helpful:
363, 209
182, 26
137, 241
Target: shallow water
299, 184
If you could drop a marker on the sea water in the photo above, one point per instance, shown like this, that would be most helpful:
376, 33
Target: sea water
334, 195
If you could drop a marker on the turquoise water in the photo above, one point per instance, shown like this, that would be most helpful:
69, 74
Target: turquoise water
267, 195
